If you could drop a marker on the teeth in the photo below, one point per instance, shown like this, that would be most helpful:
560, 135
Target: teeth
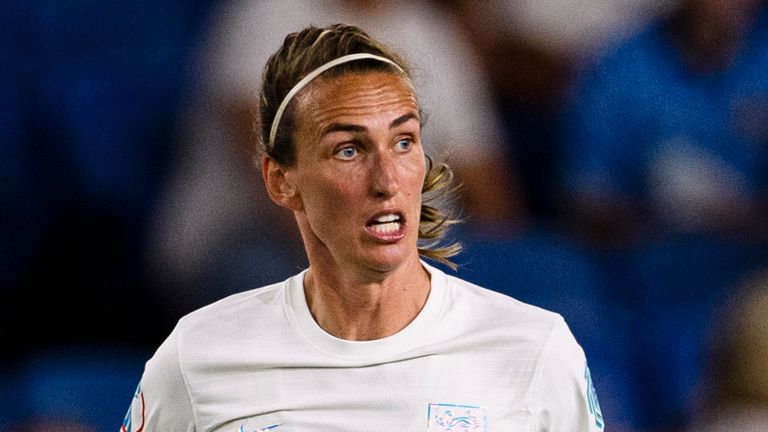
387, 218
386, 228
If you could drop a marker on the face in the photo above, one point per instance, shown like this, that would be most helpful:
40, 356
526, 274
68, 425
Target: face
359, 171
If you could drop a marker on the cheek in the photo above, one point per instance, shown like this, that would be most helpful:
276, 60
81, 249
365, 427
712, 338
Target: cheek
331, 199
416, 174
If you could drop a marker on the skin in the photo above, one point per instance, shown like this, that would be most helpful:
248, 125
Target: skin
359, 156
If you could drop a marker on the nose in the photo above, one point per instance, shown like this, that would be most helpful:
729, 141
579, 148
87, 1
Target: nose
384, 177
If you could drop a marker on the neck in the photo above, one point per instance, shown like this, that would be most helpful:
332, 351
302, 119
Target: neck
361, 307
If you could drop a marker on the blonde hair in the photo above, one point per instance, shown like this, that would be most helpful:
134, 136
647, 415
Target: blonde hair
307, 50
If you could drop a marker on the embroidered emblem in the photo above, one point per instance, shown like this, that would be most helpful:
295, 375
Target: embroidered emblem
127, 422
594, 405
456, 418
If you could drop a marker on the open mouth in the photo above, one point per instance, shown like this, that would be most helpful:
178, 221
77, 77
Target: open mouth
387, 224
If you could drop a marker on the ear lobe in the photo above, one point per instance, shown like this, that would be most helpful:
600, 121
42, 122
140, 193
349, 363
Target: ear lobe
280, 189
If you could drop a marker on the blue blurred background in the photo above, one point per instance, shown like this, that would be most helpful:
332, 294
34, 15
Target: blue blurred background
613, 155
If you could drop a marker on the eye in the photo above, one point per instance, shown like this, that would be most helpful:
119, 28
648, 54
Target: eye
404, 144
345, 153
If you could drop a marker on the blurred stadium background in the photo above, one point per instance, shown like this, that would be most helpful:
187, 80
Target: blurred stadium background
614, 157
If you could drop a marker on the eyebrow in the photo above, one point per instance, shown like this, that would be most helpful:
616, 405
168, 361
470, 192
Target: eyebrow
353, 128
403, 119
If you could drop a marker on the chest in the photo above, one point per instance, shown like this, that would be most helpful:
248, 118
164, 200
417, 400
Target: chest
468, 391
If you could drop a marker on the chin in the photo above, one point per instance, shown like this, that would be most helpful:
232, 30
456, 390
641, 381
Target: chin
389, 259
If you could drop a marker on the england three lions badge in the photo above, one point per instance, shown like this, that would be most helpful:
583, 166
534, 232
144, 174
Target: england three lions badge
456, 418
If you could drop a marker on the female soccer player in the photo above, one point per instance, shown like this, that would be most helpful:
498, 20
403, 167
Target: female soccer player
369, 337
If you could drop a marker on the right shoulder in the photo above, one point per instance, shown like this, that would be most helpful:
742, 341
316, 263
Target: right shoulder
258, 298
213, 335
233, 315
225, 316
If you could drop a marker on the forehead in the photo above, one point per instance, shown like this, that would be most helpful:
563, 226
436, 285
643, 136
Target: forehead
355, 97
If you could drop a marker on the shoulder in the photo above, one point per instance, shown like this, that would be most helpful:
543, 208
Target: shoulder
225, 317
493, 313
497, 303
221, 326
563, 395
220, 333
236, 309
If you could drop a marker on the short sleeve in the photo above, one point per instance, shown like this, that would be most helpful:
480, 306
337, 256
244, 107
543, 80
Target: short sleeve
161, 401
564, 399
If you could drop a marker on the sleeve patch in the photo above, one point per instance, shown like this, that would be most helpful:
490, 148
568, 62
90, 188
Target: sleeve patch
138, 401
594, 405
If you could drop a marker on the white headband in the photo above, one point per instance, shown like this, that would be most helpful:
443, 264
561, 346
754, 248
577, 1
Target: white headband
312, 75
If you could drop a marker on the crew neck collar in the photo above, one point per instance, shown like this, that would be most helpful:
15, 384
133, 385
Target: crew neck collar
378, 349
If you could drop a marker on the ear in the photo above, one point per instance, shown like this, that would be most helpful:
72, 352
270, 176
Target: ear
282, 191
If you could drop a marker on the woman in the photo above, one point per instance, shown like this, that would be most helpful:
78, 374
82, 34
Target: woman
369, 337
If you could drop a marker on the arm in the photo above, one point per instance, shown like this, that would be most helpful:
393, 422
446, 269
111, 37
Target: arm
161, 401
564, 399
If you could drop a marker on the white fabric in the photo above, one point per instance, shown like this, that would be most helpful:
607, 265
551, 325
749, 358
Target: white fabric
258, 359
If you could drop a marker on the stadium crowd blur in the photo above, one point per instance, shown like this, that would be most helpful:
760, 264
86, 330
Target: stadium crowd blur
613, 156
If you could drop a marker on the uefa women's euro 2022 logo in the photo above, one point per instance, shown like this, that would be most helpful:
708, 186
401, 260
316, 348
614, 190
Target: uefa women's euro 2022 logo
137, 404
592, 403
456, 418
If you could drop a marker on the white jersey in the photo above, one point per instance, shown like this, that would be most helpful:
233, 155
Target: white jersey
472, 360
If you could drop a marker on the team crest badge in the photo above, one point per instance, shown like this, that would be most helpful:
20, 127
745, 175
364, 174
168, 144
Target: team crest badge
456, 418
